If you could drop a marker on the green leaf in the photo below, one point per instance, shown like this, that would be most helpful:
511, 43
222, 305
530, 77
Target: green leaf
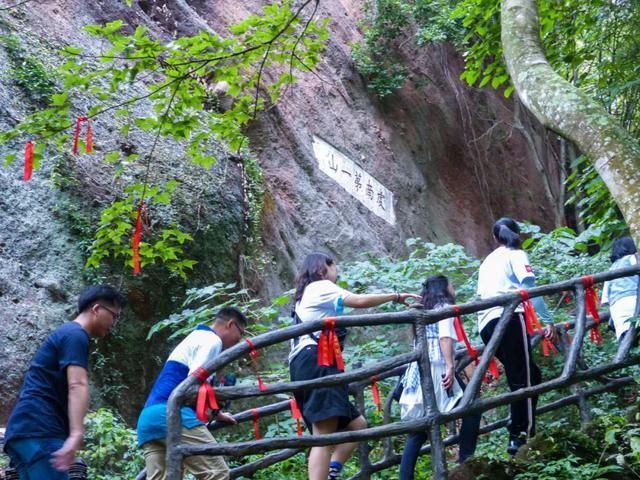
113, 156
9, 158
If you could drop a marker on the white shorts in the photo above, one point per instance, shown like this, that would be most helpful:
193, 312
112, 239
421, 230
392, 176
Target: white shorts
621, 311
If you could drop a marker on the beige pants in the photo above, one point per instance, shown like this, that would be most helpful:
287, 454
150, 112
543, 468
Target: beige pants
203, 467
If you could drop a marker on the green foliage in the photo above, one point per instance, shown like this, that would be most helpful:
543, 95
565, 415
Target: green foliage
110, 447
622, 438
568, 468
383, 75
254, 195
201, 305
383, 274
560, 254
118, 222
27, 71
388, 21
483, 55
374, 58
594, 203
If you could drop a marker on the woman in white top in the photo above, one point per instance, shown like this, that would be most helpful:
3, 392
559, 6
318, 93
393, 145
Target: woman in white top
326, 410
621, 293
507, 269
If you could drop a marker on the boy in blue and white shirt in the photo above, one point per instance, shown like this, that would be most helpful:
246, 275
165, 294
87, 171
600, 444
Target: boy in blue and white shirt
200, 346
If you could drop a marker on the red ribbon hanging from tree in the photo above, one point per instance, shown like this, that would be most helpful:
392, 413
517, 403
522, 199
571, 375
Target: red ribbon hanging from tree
462, 335
329, 346
206, 395
376, 393
137, 236
89, 137
591, 303
28, 161
256, 428
296, 414
76, 138
254, 362
533, 323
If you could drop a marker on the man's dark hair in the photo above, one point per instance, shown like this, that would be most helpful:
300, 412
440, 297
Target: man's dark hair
231, 313
93, 293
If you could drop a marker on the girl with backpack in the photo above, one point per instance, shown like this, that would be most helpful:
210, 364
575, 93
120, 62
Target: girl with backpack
438, 293
326, 410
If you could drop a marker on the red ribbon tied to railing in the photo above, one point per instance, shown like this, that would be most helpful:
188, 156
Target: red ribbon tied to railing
256, 428
206, 395
493, 370
462, 335
547, 345
329, 346
473, 353
254, 360
376, 393
533, 323
591, 301
296, 414
89, 143
28, 161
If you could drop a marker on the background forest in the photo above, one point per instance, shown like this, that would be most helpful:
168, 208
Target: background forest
201, 118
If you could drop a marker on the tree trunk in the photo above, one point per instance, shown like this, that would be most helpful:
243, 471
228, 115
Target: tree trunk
563, 108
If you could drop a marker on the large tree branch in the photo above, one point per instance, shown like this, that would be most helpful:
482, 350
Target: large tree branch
570, 112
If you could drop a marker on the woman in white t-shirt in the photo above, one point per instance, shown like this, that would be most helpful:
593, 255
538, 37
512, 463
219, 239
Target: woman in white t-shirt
621, 293
504, 270
326, 410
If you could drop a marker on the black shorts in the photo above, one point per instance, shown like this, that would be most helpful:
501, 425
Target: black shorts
320, 403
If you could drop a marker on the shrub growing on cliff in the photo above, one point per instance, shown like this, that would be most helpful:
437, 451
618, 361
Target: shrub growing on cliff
27, 71
110, 448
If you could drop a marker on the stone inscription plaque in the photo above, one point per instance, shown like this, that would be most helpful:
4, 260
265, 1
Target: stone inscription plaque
370, 192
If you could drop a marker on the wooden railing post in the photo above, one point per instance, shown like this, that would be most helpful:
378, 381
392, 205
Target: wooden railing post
438, 458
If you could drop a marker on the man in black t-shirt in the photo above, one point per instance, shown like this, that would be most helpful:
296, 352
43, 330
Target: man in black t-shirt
46, 428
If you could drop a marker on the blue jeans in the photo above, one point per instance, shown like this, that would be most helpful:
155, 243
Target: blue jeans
31, 457
415, 440
468, 439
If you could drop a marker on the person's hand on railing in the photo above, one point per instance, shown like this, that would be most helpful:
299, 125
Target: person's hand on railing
551, 333
225, 417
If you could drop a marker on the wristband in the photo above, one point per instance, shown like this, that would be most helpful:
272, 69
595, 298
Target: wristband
397, 299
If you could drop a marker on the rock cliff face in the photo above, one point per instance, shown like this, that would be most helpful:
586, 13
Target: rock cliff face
455, 158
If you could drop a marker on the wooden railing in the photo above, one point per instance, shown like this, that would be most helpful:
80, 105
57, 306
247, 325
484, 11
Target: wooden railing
574, 373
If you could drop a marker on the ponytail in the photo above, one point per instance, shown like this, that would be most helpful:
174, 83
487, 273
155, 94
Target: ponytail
507, 233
